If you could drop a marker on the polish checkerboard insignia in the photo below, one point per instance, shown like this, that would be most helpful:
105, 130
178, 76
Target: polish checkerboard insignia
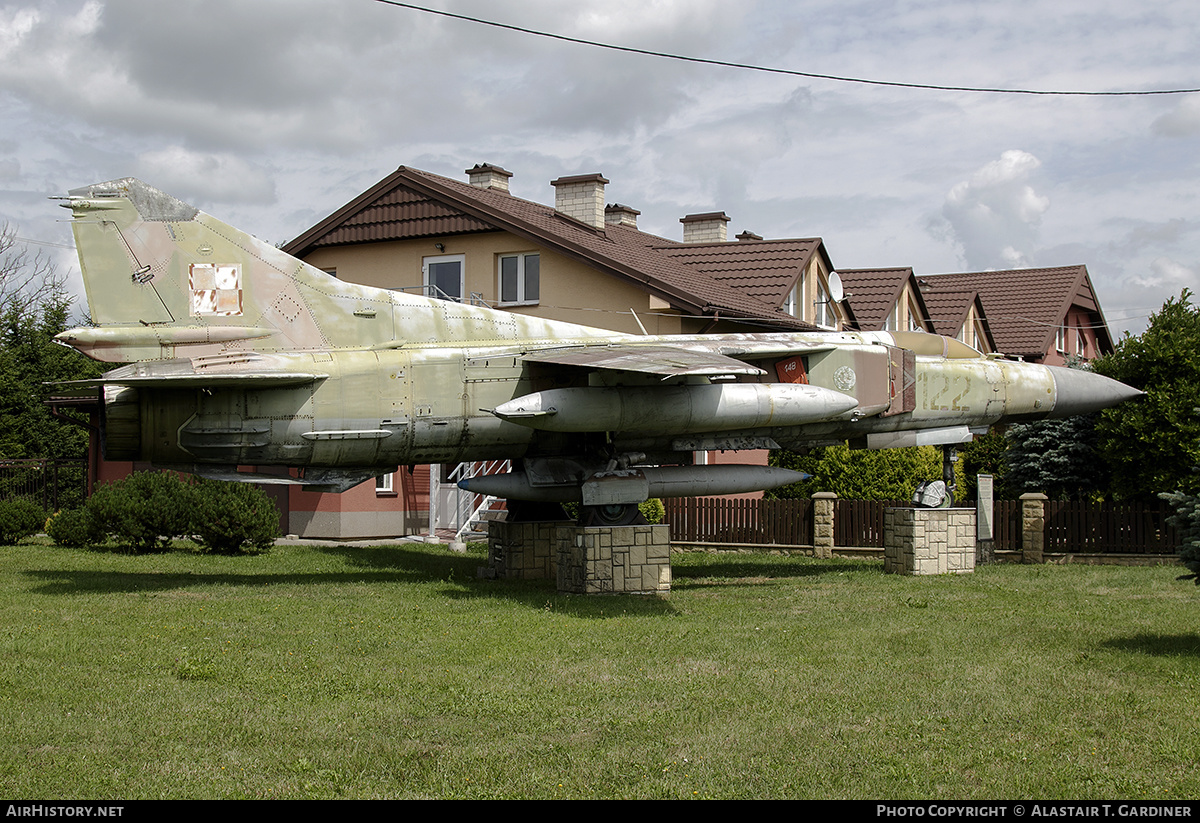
216, 289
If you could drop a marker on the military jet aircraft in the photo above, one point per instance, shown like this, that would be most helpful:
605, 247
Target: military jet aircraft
241, 355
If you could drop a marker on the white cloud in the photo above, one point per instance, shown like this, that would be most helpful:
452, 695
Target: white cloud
994, 215
1182, 121
15, 26
1168, 274
198, 177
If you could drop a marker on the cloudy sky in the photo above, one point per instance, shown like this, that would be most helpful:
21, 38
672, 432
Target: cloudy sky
270, 114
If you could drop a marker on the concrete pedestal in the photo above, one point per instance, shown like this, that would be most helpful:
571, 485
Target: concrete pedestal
929, 541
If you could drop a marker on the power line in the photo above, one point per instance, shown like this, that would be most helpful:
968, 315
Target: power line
46, 243
790, 72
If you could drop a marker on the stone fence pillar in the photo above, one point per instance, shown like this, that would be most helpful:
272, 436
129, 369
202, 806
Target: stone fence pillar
823, 503
1033, 527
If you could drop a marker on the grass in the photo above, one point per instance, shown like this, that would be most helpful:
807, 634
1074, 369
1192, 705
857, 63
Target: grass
394, 672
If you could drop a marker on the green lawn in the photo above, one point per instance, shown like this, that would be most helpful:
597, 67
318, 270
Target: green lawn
395, 672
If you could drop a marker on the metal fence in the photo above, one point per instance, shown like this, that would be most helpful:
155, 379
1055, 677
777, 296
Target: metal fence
52, 483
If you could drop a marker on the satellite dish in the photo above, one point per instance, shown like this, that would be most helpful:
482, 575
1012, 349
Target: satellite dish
836, 294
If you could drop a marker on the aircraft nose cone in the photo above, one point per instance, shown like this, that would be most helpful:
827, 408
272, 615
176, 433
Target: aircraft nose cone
1082, 392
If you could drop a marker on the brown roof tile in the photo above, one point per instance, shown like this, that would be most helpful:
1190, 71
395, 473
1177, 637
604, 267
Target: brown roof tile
764, 269
1024, 306
948, 309
398, 213
873, 293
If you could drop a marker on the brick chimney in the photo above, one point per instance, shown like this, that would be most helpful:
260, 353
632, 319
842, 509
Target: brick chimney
618, 215
581, 197
709, 227
487, 176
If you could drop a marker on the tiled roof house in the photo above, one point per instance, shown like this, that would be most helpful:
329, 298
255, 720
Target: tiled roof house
960, 314
592, 264
1043, 315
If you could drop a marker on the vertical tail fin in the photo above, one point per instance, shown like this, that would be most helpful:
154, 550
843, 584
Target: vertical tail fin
164, 279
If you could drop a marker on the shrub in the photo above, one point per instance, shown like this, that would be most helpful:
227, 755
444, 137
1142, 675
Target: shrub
859, 474
74, 528
233, 518
653, 510
145, 511
19, 518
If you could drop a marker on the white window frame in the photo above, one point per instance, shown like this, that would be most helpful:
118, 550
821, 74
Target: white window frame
523, 299
824, 313
892, 322
980, 336
384, 483
914, 318
461, 259
1080, 344
1060, 339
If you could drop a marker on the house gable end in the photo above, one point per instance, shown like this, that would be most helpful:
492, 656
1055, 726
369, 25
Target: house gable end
1026, 308
875, 293
388, 211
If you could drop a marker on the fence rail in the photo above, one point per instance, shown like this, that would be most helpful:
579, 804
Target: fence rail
860, 522
1131, 528
724, 520
52, 483
1070, 527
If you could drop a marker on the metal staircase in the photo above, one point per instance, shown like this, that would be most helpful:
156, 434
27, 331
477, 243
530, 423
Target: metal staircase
470, 508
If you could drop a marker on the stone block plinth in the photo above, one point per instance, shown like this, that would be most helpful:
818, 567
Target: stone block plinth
524, 551
614, 559
929, 541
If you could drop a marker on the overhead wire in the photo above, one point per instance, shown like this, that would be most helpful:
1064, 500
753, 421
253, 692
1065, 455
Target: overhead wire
771, 70
45, 243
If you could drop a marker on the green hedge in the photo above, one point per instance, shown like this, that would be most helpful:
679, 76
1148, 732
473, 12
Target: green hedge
19, 518
146, 511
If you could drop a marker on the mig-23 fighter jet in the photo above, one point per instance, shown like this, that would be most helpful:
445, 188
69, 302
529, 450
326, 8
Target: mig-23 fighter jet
241, 355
